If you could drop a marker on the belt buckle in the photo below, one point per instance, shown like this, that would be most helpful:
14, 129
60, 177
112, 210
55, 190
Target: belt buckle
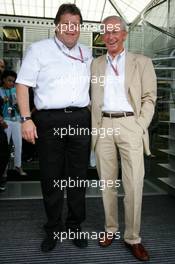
125, 114
67, 111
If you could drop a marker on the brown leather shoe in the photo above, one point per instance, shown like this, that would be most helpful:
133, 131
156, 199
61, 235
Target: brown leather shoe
106, 240
138, 251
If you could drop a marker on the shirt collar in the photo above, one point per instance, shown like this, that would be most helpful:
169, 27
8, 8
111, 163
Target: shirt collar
117, 57
63, 47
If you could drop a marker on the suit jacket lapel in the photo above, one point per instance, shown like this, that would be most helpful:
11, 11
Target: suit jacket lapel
129, 69
101, 74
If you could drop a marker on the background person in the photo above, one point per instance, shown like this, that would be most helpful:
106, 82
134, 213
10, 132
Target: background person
2, 66
4, 150
11, 116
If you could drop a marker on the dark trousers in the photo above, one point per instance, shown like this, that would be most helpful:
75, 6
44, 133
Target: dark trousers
4, 152
63, 157
28, 151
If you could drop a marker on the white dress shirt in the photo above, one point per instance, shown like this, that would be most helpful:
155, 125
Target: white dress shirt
58, 80
115, 98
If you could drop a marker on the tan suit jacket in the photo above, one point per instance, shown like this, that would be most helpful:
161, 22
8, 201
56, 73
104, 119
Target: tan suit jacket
141, 90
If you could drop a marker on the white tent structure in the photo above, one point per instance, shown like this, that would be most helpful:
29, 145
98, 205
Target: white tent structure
92, 10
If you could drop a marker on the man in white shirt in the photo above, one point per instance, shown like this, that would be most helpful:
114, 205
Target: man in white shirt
58, 69
123, 106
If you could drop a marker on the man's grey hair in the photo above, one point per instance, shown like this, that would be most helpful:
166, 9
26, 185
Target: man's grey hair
118, 19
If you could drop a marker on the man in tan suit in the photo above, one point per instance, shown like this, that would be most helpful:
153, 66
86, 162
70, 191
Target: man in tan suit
122, 105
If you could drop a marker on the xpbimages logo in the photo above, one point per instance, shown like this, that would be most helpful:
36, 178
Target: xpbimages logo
102, 28
61, 236
78, 183
81, 131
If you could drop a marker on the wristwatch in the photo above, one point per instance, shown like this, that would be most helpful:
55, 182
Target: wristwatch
25, 118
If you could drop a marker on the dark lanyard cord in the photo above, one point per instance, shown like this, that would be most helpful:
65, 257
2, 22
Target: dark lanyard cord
112, 66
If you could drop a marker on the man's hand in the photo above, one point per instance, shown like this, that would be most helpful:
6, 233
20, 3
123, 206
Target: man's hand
29, 132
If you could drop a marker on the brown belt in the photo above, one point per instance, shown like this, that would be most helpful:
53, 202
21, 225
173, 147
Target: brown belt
118, 115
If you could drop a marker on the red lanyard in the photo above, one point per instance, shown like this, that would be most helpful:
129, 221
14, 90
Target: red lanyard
69, 56
112, 66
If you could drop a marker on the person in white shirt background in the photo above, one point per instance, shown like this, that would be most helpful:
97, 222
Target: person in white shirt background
11, 116
4, 150
58, 69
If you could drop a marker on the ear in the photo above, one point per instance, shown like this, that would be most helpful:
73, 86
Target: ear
125, 34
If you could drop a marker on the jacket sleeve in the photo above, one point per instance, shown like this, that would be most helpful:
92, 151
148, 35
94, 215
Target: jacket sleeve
149, 94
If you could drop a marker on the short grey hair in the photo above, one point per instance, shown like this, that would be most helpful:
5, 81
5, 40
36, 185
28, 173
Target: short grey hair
118, 18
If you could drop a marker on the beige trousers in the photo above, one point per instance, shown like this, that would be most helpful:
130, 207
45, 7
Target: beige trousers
121, 135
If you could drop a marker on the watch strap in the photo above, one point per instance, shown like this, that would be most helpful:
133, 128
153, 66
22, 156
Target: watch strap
25, 118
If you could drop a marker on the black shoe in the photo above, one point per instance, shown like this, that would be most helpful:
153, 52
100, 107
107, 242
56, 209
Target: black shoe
80, 242
77, 237
48, 244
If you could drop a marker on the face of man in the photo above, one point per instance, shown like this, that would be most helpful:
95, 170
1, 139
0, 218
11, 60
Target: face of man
2, 66
114, 36
68, 30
